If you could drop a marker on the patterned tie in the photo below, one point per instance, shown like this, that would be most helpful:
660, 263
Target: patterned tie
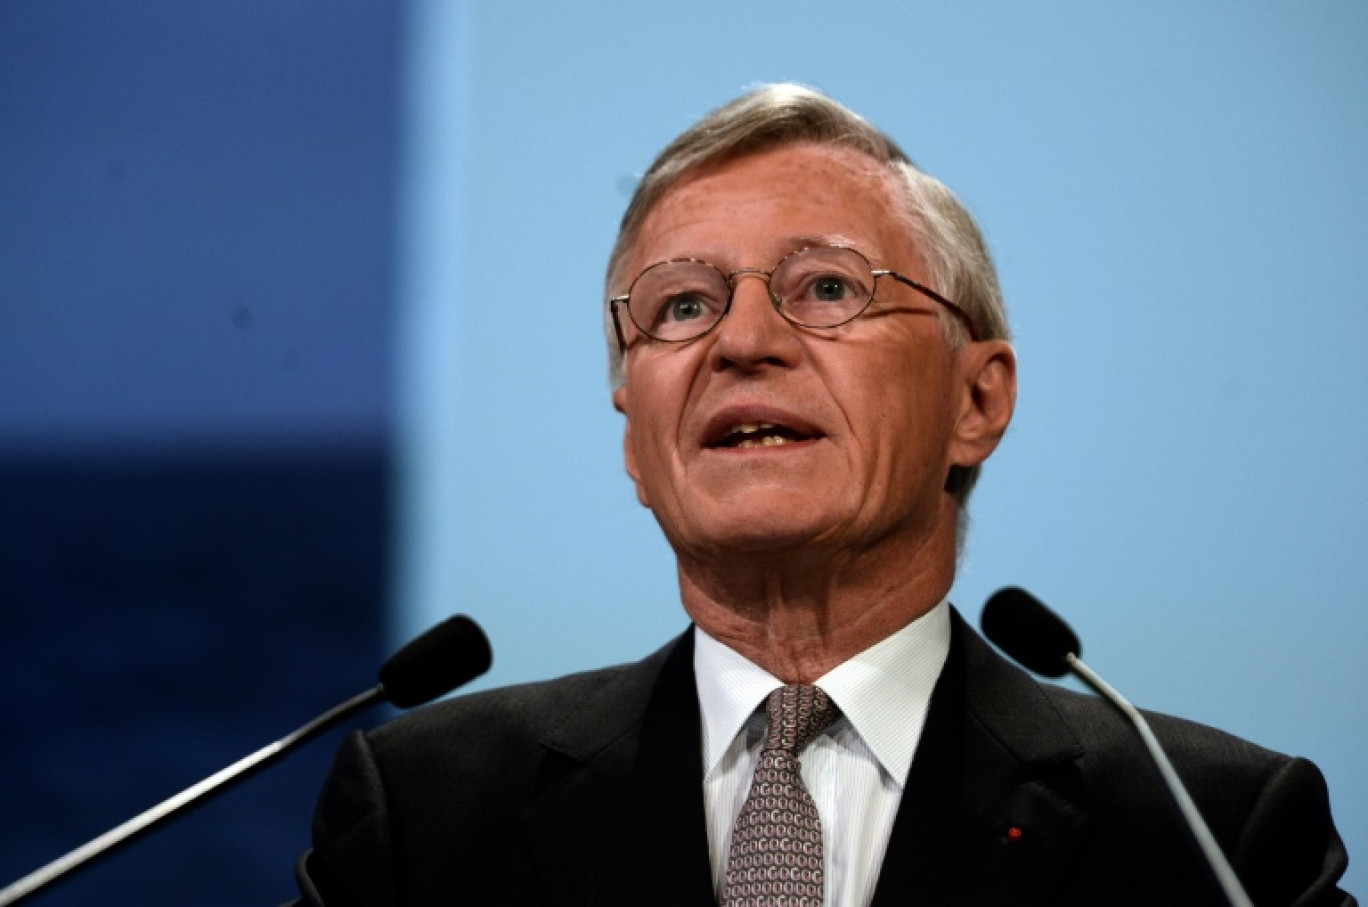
776, 845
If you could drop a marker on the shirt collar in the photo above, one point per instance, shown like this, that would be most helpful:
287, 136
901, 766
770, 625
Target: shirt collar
884, 691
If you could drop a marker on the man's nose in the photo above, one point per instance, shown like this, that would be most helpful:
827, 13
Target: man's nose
754, 333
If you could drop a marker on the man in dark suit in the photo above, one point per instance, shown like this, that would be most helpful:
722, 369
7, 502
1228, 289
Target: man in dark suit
811, 355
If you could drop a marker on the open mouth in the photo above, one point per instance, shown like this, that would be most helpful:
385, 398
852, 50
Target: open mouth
758, 434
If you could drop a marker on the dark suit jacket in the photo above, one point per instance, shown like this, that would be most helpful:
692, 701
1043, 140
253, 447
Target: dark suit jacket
588, 791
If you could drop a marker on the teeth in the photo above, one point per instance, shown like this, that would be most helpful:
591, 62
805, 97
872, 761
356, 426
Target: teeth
746, 435
766, 441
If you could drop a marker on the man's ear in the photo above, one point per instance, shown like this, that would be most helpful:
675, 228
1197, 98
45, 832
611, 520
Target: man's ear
628, 454
988, 397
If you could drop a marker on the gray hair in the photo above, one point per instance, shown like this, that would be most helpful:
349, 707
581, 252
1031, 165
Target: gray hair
956, 257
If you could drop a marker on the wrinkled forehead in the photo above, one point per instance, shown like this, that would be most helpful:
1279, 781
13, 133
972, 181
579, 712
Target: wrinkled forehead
810, 193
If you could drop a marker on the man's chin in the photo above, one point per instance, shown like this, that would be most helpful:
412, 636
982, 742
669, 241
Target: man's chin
759, 530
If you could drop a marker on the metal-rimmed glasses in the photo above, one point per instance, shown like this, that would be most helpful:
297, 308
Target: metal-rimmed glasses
682, 299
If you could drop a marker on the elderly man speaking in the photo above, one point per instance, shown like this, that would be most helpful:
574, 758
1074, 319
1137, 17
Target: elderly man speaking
811, 356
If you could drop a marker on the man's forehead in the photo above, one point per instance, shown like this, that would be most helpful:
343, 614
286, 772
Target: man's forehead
798, 168
842, 197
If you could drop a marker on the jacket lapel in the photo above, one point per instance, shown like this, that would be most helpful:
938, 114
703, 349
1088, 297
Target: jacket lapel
619, 815
987, 815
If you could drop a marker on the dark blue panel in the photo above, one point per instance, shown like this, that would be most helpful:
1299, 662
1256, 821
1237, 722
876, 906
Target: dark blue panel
159, 620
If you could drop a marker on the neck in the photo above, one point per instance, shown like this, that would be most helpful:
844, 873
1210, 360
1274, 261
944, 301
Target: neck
800, 614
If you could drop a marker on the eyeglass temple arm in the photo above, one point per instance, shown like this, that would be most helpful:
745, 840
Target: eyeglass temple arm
954, 308
617, 322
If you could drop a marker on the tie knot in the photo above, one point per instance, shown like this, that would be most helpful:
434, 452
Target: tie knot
797, 714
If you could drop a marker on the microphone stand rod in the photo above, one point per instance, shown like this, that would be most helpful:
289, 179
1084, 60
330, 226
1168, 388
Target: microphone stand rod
1230, 883
215, 783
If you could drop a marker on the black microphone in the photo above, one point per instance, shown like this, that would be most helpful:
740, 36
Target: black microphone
1020, 625
1035, 636
448, 655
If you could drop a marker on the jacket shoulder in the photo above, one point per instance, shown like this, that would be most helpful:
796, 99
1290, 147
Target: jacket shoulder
1206, 758
432, 801
495, 732
1269, 811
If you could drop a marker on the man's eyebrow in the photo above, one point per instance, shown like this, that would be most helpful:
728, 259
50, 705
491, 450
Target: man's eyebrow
830, 239
785, 245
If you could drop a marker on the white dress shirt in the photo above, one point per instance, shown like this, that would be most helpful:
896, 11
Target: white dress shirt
855, 771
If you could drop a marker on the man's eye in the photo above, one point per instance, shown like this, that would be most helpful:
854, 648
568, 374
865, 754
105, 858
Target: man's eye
684, 307
822, 289
830, 289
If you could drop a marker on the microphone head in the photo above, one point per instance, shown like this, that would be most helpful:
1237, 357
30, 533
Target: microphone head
450, 654
1018, 624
